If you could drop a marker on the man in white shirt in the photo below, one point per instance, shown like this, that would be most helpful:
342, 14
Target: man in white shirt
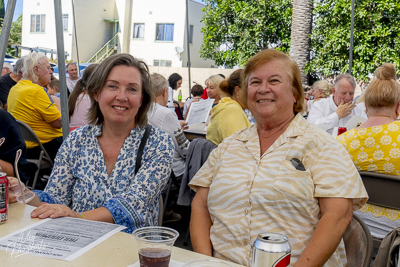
337, 109
165, 119
73, 76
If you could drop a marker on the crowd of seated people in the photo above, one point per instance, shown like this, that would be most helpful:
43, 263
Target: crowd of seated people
373, 146
272, 170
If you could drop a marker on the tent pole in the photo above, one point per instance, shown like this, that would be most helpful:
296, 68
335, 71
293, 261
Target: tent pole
5, 31
61, 68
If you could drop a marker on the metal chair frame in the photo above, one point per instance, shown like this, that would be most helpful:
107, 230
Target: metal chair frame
383, 190
44, 160
354, 252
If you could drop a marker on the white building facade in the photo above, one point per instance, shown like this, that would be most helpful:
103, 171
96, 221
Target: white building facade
153, 30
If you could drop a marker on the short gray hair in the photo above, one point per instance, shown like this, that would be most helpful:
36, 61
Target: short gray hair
7, 65
71, 63
158, 84
348, 77
18, 66
30, 61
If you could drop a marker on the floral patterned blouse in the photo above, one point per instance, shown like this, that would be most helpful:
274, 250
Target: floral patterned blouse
375, 149
80, 181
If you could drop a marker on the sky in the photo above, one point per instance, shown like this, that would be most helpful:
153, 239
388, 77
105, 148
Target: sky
17, 10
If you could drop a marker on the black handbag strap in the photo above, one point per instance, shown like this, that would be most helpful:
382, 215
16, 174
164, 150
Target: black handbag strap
141, 147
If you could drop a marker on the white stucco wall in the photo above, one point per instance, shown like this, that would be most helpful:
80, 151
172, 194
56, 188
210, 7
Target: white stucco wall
92, 31
195, 15
151, 12
48, 38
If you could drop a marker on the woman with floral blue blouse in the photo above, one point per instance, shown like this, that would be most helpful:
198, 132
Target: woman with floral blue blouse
94, 171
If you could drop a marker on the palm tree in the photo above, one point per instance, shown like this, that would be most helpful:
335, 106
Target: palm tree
300, 35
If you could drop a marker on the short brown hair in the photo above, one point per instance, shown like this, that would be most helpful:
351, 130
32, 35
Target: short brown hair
267, 55
55, 84
228, 85
99, 77
384, 90
197, 90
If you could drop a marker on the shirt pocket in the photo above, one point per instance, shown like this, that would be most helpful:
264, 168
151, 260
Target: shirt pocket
294, 184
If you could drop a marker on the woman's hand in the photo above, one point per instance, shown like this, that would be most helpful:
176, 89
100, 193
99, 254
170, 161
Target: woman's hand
184, 125
196, 99
46, 210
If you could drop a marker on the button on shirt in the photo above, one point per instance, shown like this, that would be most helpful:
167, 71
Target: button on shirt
276, 197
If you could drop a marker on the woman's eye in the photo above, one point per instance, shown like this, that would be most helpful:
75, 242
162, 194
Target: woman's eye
132, 89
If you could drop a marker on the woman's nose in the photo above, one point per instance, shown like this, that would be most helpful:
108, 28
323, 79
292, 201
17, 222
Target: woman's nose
121, 95
264, 88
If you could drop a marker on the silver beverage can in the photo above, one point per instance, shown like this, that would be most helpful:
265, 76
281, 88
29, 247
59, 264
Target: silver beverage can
271, 250
3, 197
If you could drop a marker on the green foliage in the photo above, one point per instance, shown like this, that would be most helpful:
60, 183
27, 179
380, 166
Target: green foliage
244, 28
15, 35
376, 37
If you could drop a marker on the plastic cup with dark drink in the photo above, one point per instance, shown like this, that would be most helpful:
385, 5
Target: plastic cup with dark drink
155, 245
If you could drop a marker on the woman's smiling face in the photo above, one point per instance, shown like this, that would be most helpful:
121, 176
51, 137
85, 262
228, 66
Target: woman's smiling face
121, 96
270, 92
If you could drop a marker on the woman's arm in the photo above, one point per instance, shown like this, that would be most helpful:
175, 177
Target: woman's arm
336, 215
46, 210
7, 168
200, 223
135, 206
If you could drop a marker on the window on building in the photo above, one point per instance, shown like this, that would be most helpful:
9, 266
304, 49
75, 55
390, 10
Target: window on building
65, 22
165, 32
38, 23
191, 34
138, 30
162, 63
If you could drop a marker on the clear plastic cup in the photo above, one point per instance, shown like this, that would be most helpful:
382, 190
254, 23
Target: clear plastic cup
155, 245
207, 263
18, 190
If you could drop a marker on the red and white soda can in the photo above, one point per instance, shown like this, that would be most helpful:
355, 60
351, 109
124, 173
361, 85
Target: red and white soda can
3, 197
271, 250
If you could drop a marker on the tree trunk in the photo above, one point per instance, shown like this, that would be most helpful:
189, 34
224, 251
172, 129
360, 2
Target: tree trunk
300, 35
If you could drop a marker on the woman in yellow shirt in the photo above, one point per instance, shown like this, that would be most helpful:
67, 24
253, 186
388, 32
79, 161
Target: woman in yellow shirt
375, 145
228, 116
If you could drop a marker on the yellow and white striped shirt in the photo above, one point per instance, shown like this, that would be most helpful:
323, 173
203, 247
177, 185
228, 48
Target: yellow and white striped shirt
250, 194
